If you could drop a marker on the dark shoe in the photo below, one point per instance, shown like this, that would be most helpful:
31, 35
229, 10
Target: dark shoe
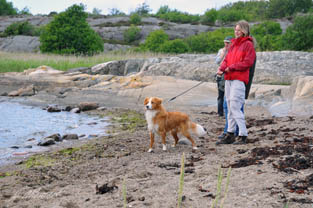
229, 139
222, 136
242, 140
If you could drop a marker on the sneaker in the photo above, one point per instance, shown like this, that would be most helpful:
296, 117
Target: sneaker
242, 140
229, 139
222, 136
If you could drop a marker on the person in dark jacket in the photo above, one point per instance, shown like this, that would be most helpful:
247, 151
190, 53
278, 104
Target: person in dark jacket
236, 66
220, 79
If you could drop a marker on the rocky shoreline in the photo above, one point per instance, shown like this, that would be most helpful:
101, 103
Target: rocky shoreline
274, 168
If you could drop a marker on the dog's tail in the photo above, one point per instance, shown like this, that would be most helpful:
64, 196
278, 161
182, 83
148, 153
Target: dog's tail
198, 129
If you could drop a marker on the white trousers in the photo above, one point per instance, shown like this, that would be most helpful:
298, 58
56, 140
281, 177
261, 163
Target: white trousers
235, 98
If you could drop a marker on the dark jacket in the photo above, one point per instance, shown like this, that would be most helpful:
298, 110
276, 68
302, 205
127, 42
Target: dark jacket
251, 74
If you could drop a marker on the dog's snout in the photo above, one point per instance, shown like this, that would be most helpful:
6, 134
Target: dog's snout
147, 106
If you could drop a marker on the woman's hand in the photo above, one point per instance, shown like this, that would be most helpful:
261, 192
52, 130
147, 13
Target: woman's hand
219, 72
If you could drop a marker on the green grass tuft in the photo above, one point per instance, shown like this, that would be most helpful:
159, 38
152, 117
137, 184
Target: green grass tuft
181, 181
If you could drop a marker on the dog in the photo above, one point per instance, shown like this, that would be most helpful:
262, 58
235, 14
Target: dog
161, 122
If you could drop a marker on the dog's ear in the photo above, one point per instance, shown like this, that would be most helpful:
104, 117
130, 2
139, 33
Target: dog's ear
159, 100
146, 100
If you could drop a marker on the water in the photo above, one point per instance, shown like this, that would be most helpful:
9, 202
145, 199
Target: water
22, 126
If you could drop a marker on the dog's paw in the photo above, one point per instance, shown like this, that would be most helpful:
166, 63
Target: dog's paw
173, 145
150, 150
194, 148
164, 147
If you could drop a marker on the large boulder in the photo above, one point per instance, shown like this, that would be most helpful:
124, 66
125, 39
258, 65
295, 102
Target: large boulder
302, 95
20, 43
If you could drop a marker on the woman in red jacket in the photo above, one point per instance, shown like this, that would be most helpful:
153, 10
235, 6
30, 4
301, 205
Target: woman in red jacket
240, 58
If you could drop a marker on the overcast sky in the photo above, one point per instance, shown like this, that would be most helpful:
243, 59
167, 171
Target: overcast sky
126, 6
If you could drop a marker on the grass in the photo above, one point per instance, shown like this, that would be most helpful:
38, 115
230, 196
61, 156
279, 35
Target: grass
130, 120
219, 188
124, 193
39, 160
18, 62
181, 181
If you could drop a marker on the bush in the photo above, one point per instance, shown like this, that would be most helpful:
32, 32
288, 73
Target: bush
266, 28
154, 40
282, 8
198, 43
132, 34
209, 42
167, 14
209, 17
135, 19
6, 8
299, 36
226, 16
69, 33
21, 28
174, 46
270, 43
268, 35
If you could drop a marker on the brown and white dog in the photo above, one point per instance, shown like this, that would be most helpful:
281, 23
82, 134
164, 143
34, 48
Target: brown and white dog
160, 121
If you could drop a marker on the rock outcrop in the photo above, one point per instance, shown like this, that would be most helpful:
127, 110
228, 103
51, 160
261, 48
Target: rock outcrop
278, 68
282, 81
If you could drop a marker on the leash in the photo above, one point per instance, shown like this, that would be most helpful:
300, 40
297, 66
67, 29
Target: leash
173, 98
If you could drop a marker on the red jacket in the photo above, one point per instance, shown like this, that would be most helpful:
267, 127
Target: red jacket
239, 59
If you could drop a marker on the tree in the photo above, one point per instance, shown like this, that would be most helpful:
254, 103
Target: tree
163, 10
25, 10
143, 9
116, 12
6, 8
96, 11
69, 33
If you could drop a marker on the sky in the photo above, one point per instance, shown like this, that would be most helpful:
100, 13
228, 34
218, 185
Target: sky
126, 6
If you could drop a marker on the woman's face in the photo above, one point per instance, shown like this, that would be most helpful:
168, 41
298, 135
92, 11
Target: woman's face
238, 32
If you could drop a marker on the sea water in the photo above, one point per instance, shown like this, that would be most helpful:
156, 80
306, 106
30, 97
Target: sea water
22, 127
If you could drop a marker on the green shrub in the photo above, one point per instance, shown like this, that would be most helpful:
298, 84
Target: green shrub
209, 42
132, 34
135, 19
20, 28
268, 35
154, 40
174, 46
299, 36
209, 17
198, 43
269, 42
266, 28
226, 16
69, 33
167, 14
283, 8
